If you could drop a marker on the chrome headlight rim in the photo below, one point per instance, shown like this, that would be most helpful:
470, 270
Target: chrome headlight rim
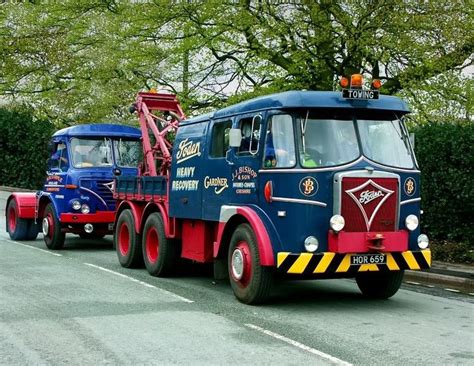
337, 223
76, 205
311, 244
85, 209
411, 222
423, 241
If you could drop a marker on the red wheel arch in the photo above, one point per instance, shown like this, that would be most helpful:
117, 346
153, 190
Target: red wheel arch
263, 239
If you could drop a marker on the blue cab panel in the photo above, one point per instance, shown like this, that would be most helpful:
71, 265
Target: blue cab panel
83, 163
320, 153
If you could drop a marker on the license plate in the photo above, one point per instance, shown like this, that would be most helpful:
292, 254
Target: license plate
360, 94
358, 259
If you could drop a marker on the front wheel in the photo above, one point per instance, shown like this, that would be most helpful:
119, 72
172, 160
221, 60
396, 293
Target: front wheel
250, 281
379, 285
127, 241
53, 236
160, 254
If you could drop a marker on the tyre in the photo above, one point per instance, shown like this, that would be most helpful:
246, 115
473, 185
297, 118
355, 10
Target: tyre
127, 242
33, 230
17, 228
250, 281
53, 236
159, 253
379, 285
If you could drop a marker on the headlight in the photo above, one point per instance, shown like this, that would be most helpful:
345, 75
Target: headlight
85, 209
337, 223
423, 241
311, 244
76, 205
411, 222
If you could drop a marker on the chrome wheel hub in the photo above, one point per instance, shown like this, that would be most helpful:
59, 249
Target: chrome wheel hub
45, 226
237, 264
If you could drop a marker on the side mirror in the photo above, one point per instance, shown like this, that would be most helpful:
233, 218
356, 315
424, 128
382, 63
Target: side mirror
235, 137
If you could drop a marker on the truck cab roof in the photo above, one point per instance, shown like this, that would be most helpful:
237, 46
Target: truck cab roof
306, 99
102, 129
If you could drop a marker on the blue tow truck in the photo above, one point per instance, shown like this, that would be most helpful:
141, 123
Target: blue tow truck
303, 184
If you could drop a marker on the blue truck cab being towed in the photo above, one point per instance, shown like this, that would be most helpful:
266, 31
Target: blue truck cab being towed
77, 196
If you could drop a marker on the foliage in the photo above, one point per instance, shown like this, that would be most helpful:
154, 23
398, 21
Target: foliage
83, 61
449, 251
23, 143
445, 152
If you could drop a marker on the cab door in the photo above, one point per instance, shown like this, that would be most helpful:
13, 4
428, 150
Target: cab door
216, 181
57, 173
246, 160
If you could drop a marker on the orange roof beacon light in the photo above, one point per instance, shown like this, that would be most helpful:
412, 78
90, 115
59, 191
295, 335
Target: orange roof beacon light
355, 90
344, 82
356, 81
376, 84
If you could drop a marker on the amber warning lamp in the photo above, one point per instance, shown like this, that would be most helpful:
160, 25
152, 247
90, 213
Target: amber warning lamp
356, 81
353, 89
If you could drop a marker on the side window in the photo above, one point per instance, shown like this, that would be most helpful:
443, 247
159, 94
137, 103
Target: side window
280, 142
250, 128
59, 159
220, 139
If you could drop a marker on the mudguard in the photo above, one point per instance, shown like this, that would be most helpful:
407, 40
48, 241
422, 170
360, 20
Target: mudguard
230, 213
137, 212
26, 203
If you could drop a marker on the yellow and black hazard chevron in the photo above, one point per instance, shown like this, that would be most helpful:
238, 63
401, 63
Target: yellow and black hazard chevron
335, 263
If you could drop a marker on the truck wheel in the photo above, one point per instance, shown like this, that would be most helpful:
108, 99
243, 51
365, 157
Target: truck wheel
53, 236
33, 230
379, 285
17, 228
250, 281
159, 253
127, 241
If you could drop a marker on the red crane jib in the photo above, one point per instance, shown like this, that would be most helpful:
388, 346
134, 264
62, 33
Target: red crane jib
159, 113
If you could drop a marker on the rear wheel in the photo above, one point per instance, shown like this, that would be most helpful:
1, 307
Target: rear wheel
52, 234
127, 241
379, 285
17, 228
160, 254
250, 281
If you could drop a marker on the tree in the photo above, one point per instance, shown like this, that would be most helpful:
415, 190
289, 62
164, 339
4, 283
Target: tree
84, 61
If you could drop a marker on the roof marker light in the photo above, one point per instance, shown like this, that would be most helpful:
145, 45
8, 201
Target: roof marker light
376, 84
344, 82
356, 81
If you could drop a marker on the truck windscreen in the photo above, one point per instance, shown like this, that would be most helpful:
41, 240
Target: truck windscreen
128, 153
87, 153
325, 142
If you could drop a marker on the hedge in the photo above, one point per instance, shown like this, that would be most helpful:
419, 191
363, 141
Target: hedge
24, 148
445, 155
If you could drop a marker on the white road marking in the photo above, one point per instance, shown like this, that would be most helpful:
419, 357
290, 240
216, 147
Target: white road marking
299, 345
140, 282
452, 290
32, 247
413, 283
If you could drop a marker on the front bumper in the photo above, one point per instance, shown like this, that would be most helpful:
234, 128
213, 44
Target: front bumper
328, 263
101, 217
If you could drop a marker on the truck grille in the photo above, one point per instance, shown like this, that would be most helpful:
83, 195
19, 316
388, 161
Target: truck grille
369, 204
101, 188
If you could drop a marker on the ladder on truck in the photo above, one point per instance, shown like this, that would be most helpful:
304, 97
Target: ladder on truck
161, 114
